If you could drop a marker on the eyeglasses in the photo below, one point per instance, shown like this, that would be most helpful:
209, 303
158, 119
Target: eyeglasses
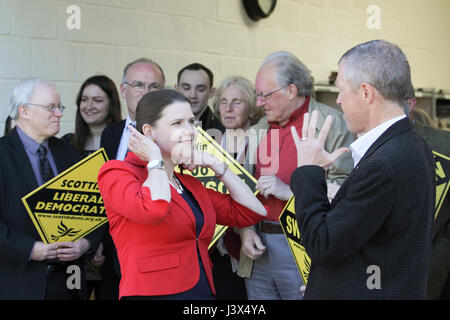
262, 96
50, 107
141, 86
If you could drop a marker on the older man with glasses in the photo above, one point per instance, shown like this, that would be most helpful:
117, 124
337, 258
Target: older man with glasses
139, 77
30, 155
284, 88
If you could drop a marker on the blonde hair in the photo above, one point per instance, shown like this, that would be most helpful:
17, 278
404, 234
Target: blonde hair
247, 88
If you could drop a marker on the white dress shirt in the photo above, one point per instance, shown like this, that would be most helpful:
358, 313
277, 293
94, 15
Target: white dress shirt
360, 146
123, 146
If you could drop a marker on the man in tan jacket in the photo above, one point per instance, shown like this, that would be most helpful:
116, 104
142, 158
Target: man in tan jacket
284, 88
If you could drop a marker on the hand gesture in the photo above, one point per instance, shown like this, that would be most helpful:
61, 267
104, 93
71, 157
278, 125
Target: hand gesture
310, 149
98, 260
42, 251
272, 185
251, 244
143, 147
303, 289
202, 159
68, 251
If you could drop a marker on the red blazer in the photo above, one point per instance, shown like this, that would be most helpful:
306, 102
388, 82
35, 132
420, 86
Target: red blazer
156, 241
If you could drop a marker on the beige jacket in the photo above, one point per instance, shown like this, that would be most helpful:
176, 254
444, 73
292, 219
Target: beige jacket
338, 137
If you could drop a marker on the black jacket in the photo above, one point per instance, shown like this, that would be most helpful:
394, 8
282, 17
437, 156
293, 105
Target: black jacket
110, 139
382, 216
21, 278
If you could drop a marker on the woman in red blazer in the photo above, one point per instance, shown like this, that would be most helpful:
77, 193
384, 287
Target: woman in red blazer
161, 221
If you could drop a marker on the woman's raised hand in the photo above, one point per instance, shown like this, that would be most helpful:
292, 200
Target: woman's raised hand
143, 147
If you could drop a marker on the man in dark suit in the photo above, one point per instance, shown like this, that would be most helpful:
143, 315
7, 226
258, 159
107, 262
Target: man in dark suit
30, 155
374, 240
439, 141
139, 77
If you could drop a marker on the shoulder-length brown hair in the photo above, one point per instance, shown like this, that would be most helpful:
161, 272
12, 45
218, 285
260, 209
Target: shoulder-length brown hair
82, 130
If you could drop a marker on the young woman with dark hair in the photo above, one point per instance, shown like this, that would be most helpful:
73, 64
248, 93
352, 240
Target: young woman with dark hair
162, 221
98, 105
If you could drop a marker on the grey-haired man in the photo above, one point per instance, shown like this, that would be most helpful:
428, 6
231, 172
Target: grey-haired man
30, 155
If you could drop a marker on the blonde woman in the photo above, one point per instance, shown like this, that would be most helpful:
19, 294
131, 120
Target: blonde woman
235, 105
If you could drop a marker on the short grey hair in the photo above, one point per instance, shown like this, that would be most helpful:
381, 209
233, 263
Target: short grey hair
411, 92
141, 60
290, 70
22, 93
381, 64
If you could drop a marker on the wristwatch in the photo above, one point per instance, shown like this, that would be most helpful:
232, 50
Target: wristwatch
156, 164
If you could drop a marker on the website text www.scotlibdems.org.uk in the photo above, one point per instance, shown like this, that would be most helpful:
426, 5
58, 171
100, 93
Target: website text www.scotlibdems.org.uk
224, 311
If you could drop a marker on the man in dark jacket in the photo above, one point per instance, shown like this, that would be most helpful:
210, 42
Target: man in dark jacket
30, 155
374, 240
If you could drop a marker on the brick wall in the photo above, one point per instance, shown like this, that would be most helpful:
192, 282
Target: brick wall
34, 39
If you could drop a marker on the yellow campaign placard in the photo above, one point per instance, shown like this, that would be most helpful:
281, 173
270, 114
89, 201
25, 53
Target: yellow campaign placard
69, 206
442, 164
290, 228
207, 176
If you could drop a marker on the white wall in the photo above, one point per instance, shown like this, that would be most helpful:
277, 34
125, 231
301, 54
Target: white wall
34, 39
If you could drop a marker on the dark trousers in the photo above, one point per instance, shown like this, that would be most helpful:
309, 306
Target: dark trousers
229, 286
57, 288
446, 292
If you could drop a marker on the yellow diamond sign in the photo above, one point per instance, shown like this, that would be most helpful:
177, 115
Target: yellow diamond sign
69, 206
207, 176
442, 164
290, 228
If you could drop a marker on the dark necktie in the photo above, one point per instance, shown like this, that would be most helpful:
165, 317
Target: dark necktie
44, 165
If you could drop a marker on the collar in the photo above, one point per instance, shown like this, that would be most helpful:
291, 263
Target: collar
128, 122
360, 146
293, 117
29, 143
